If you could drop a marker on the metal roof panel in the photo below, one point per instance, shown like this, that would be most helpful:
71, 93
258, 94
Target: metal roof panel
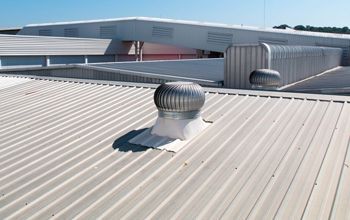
65, 153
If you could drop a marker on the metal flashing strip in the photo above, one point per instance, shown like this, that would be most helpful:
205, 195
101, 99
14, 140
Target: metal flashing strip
282, 94
6, 82
146, 139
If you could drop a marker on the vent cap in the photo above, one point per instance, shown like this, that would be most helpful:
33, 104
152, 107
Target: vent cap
179, 100
179, 105
265, 78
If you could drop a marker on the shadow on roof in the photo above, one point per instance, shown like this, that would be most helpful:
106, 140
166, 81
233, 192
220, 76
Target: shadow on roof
122, 143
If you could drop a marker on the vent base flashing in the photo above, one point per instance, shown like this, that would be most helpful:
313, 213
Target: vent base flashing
170, 135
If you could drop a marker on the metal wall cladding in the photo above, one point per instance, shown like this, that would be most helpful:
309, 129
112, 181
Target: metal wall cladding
299, 62
293, 62
240, 61
11, 45
190, 34
87, 73
67, 59
22, 61
101, 58
7, 62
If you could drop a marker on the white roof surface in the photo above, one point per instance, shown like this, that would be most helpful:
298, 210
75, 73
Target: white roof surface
203, 71
64, 153
335, 81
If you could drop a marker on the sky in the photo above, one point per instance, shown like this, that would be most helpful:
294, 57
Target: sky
17, 13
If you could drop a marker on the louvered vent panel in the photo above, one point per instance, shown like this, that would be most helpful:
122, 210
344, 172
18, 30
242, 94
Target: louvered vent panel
162, 32
273, 41
219, 38
71, 32
45, 32
108, 32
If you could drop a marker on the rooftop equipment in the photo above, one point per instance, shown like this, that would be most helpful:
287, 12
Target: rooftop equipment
265, 79
179, 105
179, 117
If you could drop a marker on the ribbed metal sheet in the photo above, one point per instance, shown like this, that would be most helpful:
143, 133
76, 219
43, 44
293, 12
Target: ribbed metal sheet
64, 154
240, 62
8, 82
16, 45
294, 63
202, 71
208, 72
335, 81
299, 62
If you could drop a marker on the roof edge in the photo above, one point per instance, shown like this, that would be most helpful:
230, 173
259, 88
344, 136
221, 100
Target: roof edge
200, 23
276, 94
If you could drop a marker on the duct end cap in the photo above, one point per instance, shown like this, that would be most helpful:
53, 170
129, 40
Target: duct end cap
265, 79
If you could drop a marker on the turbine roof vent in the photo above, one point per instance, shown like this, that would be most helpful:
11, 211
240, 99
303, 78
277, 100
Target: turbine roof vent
179, 100
179, 120
265, 78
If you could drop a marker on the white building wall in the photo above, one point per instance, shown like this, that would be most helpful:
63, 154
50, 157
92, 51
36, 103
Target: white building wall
196, 35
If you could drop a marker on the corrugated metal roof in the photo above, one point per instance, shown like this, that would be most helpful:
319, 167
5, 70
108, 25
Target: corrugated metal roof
204, 71
21, 45
64, 154
8, 82
335, 81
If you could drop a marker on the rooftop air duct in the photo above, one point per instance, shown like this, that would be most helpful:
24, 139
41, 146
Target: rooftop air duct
179, 105
265, 79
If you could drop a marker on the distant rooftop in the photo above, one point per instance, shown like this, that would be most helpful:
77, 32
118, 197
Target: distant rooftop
207, 72
336, 81
10, 28
198, 23
12, 31
204, 71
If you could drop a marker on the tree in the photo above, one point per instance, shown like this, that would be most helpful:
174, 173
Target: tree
282, 26
300, 28
337, 30
345, 30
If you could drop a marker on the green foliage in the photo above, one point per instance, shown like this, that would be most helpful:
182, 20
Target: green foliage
282, 26
337, 30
